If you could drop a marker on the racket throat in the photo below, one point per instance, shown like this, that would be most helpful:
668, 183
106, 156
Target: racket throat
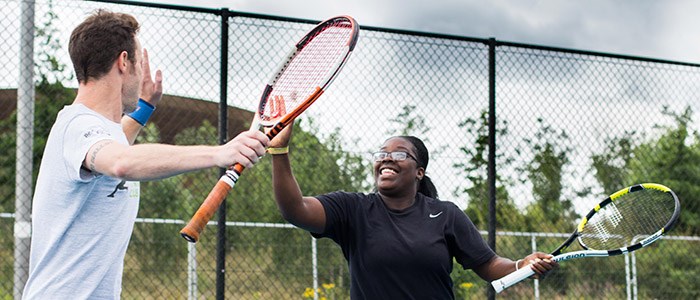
230, 177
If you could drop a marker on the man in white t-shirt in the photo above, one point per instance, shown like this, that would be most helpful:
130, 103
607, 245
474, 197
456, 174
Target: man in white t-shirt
87, 193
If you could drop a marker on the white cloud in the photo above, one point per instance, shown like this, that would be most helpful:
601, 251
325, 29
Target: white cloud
665, 30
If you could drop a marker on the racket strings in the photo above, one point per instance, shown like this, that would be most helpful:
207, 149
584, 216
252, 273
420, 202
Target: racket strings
310, 68
611, 220
628, 219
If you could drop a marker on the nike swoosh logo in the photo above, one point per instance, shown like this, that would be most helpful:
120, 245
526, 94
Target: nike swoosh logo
435, 215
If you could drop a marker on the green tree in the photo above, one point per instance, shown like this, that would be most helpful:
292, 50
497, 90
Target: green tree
8, 138
174, 197
673, 159
50, 97
545, 172
670, 156
321, 165
408, 123
610, 166
169, 198
47, 64
475, 169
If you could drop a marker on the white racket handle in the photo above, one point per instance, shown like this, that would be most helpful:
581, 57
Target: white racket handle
505, 282
501, 284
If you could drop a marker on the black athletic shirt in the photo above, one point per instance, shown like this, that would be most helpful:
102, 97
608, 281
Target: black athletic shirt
405, 254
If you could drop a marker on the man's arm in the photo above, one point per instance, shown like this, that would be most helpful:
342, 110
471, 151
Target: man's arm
155, 161
131, 128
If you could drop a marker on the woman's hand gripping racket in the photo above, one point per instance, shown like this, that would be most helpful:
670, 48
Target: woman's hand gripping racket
627, 220
302, 77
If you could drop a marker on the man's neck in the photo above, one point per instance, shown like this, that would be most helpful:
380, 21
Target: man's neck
101, 96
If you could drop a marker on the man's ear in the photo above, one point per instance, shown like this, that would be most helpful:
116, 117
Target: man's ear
123, 62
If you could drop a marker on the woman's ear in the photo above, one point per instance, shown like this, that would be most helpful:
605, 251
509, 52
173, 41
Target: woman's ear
420, 173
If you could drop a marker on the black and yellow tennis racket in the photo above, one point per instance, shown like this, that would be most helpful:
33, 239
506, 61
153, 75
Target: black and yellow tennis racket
628, 220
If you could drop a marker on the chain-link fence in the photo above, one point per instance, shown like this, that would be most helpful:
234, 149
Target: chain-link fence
571, 126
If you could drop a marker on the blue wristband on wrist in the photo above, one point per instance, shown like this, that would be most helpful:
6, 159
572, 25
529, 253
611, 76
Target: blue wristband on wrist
142, 112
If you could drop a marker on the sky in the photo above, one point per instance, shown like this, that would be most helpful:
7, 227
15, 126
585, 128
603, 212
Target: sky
656, 29
666, 30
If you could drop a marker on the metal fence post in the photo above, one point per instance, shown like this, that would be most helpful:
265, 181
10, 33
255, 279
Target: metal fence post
627, 277
24, 143
492, 152
191, 271
634, 276
533, 243
223, 136
314, 266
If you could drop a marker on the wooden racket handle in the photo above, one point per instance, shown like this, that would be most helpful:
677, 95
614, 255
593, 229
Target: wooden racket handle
217, 195
211, 204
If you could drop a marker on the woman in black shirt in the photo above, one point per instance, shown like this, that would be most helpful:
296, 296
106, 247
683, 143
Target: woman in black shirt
399, 241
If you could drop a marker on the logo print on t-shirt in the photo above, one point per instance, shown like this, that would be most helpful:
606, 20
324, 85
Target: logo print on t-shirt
95, 131
432, 216
120, 186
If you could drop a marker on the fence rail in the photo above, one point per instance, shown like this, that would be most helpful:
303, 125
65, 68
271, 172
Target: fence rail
630, 267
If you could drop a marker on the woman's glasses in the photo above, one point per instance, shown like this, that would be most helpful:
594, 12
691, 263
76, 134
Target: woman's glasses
396, 155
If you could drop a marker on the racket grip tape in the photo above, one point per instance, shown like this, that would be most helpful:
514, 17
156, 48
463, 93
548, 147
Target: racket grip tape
211, 204
507, 281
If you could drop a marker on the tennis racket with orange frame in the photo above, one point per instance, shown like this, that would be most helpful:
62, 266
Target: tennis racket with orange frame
300, 80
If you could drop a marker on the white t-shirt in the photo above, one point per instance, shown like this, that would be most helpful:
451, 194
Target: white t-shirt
81, 221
